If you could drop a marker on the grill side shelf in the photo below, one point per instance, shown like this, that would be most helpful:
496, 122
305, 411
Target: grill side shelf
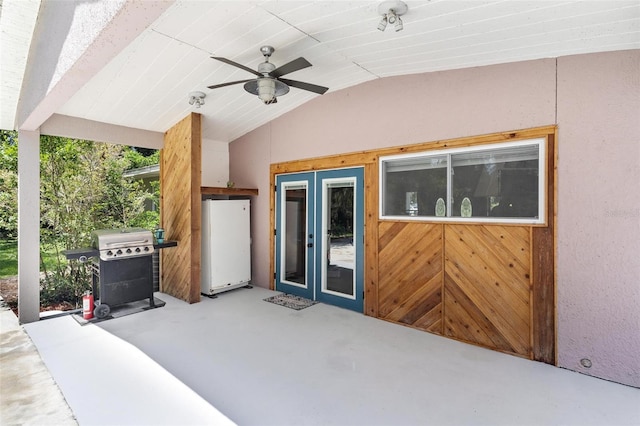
80, 254
165, 244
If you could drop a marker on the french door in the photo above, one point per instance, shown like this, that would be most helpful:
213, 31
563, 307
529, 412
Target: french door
320, 236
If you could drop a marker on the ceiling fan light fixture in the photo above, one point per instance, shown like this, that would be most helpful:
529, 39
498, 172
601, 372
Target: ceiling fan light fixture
266, 89
391, 11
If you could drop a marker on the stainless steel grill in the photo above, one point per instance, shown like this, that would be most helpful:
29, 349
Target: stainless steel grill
115, 244
121, 266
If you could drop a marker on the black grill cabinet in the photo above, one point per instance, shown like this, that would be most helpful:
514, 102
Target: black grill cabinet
120, 281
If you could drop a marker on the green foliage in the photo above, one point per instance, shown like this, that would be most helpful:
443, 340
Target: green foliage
66, 286
9, 151
141, 157
150, 217
82, 188
147, 220
8, 184
8, 204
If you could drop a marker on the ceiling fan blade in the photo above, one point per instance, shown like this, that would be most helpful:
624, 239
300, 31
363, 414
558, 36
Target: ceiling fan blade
215, 86
305, 86
289, 67
235, 64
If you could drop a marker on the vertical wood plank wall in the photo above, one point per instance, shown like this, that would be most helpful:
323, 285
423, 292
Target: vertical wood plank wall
180, 207
487, 284
543, 270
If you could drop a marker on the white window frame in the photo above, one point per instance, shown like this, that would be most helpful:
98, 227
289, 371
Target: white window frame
542, 183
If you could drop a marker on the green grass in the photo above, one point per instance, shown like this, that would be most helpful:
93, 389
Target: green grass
9, 258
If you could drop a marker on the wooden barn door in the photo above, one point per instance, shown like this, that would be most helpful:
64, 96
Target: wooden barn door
487, 286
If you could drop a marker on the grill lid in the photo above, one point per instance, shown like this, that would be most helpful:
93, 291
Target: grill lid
124, 242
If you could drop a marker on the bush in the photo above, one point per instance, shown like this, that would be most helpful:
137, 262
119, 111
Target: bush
65, 285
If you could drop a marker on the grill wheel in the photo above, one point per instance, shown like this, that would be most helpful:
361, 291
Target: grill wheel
102, 311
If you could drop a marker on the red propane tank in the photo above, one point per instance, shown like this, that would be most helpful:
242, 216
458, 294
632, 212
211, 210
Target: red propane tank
87, 305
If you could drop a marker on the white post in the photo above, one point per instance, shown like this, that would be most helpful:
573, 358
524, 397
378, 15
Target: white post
28, 226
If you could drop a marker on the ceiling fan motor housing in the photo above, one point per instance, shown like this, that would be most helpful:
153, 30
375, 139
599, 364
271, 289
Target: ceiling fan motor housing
270, 84
265, 68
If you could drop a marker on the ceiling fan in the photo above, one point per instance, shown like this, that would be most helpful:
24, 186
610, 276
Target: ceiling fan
269, 84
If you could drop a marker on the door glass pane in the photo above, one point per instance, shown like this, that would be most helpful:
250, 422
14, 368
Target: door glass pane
339, 234
295, 229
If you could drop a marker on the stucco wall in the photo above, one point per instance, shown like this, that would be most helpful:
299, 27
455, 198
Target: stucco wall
598, 258
389, 112
427, 107
215, 163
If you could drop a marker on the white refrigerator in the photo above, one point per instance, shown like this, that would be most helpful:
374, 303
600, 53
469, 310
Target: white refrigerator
226, 245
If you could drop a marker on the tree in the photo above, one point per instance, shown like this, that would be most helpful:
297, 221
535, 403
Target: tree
82, 189
8, 184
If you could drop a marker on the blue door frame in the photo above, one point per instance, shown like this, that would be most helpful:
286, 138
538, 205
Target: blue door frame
311, 238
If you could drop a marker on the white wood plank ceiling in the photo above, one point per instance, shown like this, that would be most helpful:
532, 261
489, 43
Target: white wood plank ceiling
15, 40
147, 85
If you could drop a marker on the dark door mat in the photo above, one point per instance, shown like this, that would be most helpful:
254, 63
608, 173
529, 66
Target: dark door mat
122, 310
291, 301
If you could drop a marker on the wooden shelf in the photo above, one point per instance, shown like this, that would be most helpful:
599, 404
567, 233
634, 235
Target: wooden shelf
212, 190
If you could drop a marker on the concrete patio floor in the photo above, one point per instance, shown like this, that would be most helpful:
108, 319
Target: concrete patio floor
28, 393
264, 364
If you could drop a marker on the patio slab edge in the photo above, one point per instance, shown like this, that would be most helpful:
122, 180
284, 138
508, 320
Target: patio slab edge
28, 393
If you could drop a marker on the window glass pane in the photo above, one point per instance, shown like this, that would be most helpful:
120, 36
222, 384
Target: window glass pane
413, 186
499, 183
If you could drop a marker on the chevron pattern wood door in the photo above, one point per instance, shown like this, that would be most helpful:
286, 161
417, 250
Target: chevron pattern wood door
410, 274
487, 286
